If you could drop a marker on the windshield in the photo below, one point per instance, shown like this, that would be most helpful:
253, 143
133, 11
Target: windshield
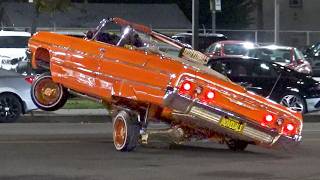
235, 49
275, 55
121, 33
13, 41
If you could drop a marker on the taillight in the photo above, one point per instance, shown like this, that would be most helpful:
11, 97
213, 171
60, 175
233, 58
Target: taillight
186, 86
29, 79
289, 127
209, 95
269, 118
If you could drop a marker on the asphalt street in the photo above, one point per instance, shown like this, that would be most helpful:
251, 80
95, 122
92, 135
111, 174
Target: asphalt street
84, 151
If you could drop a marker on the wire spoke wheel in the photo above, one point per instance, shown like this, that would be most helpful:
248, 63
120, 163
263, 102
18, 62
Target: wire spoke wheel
293, 102
119, 133
126, 131
47, 94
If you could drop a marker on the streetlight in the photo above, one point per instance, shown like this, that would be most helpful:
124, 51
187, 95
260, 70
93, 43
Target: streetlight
215, 5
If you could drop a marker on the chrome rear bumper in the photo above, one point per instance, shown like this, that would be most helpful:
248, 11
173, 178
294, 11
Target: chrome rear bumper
209, 117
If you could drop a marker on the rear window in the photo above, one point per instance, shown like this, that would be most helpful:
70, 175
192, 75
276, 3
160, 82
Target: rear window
235, 49
274, 55
13, 41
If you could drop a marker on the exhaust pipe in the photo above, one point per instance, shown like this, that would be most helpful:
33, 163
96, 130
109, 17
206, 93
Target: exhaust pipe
175, 134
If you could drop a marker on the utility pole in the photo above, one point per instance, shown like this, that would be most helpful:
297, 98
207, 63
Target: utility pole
276, 21
215, 6
195, 24
213, 15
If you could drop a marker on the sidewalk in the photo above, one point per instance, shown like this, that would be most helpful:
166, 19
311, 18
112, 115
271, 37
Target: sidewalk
96, 116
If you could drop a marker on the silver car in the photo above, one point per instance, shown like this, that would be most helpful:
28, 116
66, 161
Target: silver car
15, 98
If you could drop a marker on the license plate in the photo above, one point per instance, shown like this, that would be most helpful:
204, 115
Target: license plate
232, 124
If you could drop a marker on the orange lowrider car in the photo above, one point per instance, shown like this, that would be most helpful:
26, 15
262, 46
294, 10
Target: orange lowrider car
144, 76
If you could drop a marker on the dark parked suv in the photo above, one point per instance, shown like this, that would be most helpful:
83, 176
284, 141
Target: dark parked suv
205, 39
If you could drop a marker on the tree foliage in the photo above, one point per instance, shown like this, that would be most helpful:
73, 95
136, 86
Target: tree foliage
235, 13
49, 6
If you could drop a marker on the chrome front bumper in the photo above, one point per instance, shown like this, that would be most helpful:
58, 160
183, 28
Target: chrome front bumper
209, 117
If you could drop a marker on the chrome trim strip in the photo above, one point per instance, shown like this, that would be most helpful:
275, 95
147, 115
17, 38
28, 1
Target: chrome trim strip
105, 58
247, 131
236, 92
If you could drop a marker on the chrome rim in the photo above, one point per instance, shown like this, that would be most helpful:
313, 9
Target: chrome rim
9, 108
47, 92
119, 133
293, 102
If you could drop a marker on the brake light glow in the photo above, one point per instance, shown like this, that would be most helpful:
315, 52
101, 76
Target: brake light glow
210, 95
290, 127
186, 86
269, 118
29, 79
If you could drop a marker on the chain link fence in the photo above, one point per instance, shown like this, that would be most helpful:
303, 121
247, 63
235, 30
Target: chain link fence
298, 39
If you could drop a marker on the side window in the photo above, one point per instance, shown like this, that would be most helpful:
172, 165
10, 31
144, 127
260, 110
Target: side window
261, 69
217, 49
211, 48
237, 68
217, 66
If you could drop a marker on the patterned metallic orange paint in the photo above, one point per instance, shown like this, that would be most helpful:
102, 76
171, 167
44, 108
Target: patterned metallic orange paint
103, 70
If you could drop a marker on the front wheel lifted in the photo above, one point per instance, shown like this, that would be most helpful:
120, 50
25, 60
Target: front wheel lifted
48, 95
126, 131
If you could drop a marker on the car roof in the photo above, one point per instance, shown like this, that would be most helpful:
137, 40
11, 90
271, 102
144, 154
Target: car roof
15, 33
275, 47
201, 34
233, 42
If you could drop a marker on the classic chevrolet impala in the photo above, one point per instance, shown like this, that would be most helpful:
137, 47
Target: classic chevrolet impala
144, 76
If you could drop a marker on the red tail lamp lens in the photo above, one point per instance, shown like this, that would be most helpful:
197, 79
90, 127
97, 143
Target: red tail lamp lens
186, 86
290, 127
210, 95
268, 118
29, 79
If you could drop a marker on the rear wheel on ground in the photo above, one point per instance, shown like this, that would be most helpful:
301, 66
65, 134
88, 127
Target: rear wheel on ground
48, 95
10, 108
126, 131
237, 145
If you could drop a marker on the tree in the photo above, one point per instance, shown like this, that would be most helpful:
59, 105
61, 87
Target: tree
50, 6
235, 14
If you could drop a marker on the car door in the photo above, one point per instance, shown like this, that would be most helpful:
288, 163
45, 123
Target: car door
263, 77
124, 72
254, 75
81, 65
235, 69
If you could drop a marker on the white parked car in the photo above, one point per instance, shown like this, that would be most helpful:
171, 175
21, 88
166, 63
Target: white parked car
13, 46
